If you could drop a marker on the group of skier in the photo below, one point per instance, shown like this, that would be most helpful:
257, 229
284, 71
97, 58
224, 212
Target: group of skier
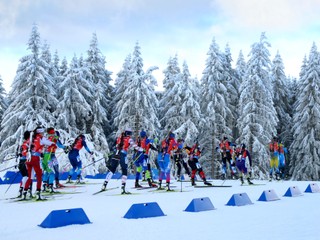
169, 148
238, 158
37, 156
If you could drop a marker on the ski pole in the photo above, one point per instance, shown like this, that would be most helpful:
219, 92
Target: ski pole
12, 182
8, 159
8, 168
93, 163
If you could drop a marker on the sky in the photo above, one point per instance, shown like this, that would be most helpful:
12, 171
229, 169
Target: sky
287, 218
162, 28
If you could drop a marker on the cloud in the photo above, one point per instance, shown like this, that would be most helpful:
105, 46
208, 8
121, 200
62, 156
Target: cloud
269, 15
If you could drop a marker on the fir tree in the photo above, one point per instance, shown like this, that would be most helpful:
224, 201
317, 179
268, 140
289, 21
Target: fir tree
281, 100
188, 108
139, 103
32, 98
73, 109
169, 103
306, 129
101, 92
258, 118
3, 102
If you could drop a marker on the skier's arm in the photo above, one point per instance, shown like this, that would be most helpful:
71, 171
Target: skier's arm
250, 161
86, 147
60, 145
45, 141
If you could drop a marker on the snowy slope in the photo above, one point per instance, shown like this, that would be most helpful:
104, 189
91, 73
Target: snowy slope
288, 218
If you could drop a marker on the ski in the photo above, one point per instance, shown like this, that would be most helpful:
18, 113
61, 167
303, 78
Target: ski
101, 191
255, 184
204, 186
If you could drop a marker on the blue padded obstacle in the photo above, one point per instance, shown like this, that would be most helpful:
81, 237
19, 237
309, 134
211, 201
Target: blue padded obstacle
293, 191
239, 199
200, 204
312, 188
269, 195
60, 218
144, 210
11, 177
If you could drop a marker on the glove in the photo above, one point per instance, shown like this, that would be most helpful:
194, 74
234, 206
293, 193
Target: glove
66, 150
91, 153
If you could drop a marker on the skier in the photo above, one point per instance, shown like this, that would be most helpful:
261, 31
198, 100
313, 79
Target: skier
141, 159
244, 163
282, 159
22, 163
194, 153
50, 163
33, 162
74, 157
123, 143
274, 158
167, 146
179, 159
226, 157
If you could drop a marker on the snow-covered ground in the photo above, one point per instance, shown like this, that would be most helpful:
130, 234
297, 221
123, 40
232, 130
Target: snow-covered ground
288, 218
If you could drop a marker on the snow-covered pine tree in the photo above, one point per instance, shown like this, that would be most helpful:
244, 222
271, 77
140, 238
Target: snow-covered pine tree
62, 74
258, 118
101, 95
73, 108
214, 106
3, 101
168, 105
32, 97
55, 69
121, 84
240, 73
233, 85
281, 100
139, 104
305, 149
186, 110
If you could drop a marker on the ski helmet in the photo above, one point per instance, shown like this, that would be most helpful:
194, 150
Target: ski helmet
143, 134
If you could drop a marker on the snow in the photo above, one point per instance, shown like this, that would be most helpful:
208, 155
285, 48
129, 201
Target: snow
287, 218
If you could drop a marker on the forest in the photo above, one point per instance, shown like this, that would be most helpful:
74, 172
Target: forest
249, 102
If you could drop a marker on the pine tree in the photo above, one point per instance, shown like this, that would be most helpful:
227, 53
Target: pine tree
258, 118
101, 92
170, 100
187, 109
306, 128
3, 102
281, 100
32, 98
214, 105
139, 103
73, 109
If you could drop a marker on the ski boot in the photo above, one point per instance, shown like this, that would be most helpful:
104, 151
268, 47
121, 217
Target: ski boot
241, 179
58, 184
30, 193
249, 182
151, 184
159, 186
137, 185
193, 183
44, 187
278, 177
206, 182
104, 186
38, 195
69, 179
25, 192
79, 180
168, 187
20, 192
51, 191
123, 189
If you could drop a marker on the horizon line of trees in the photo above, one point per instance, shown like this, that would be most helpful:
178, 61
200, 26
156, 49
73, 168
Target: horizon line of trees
249, 103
